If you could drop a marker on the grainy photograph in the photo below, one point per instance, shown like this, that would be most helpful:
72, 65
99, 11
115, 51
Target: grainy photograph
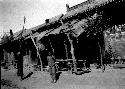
62, 44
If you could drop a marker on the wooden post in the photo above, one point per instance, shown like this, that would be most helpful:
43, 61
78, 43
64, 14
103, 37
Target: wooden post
100, 50
5, 53
72, 53
66, 50
12, 60
72, 48
29, 56
102, 53
52, 47
37, 53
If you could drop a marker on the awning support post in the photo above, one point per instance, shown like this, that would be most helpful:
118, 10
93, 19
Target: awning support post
37, 52
72, 53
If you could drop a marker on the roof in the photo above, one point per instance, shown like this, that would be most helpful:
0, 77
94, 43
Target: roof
90, 4
56, 18
80, 8
80, 5
26, 32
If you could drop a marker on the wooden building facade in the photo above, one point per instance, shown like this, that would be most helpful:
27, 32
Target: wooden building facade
78, 35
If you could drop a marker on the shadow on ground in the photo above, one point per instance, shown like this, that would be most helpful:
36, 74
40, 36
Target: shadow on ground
7, 84
58, 75
28, 76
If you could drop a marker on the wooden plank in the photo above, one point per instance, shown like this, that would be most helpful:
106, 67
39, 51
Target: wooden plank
59, 60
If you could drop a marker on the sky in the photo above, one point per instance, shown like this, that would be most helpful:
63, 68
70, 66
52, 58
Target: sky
12, 12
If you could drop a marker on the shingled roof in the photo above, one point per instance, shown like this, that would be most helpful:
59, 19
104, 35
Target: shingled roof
80, 8
85, 6
26, 32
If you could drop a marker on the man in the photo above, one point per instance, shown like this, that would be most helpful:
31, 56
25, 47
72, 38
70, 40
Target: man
52, 68
20, 65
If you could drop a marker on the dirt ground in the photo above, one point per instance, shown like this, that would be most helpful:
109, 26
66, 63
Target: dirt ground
96, 79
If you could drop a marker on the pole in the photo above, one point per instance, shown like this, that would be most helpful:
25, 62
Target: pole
100, 50
66, 50
72, 53
101, 54
72, 49
37, 52
51, 46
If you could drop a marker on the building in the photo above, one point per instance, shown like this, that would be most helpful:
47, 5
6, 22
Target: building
77, 35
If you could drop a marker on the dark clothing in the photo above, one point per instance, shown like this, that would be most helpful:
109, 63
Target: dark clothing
52, 68
51, 61
52, 71
20, 65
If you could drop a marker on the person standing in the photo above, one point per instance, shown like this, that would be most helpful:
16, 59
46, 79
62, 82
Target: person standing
20, 65
52, 67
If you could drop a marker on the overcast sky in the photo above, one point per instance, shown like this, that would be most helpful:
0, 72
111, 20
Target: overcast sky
35, 11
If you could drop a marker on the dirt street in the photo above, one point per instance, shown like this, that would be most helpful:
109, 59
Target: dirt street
96, 79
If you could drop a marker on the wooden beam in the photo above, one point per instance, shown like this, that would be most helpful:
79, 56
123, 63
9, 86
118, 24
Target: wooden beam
72, 48
66, 50
37, 52
102, 52
51, 47
72, 53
